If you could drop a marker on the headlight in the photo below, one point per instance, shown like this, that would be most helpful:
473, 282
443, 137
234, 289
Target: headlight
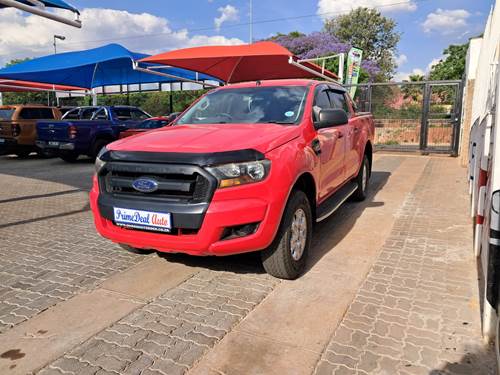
99, 163
235, 174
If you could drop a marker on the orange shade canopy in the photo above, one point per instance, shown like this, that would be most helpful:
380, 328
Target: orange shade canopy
8, 85
242, 63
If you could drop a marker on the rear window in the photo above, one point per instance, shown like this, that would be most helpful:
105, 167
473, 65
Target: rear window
6, 114
88, 113
36, 114
74, 114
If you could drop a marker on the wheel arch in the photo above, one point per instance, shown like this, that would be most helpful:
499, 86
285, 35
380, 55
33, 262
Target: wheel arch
307, 184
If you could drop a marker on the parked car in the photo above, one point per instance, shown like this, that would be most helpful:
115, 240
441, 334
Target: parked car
248, 167
18, 128
85, 130
146, 125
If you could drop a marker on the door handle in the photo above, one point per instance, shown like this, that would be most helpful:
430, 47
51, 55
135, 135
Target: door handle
316, 146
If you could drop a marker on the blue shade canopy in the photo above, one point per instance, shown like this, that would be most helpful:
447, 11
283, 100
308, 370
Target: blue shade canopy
103, 66
51, 3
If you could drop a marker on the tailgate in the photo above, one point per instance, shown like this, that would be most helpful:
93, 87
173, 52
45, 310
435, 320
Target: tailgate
6, 129
52, 130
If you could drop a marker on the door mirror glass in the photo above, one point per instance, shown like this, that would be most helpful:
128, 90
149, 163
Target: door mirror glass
328, 118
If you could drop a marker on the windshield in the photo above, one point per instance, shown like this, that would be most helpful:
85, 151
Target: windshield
251, 105
6, 114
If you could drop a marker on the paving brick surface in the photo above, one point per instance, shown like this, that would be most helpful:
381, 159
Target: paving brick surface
417, 311
49, 248
169, 335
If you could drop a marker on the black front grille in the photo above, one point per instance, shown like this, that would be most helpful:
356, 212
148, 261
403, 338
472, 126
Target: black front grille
176, 183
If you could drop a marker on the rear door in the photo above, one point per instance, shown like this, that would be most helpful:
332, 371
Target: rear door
352, 132
332, 146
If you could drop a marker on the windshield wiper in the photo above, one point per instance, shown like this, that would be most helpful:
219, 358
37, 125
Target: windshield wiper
281, 122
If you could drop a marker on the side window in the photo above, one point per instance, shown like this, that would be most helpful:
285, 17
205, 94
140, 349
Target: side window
29, 113
339, 101
122, 114
72, 115
45, 114
321, 101
138, 115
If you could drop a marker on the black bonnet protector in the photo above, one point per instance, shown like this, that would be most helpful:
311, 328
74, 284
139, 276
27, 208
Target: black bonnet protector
199, 159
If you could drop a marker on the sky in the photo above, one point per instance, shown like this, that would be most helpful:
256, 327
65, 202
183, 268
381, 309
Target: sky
153, 26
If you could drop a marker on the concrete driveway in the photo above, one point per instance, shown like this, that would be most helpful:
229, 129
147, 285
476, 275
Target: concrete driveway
390, 287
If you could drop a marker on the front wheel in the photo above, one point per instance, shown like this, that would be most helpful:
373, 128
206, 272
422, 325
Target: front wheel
362, 180
286, 257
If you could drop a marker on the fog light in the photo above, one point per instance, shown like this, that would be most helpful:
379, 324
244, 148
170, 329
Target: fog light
238, 231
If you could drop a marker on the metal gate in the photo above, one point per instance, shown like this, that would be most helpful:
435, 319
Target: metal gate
414, 116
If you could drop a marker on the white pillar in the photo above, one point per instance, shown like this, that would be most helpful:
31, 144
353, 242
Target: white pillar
1, 99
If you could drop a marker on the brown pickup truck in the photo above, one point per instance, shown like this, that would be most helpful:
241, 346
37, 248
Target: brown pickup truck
18, 128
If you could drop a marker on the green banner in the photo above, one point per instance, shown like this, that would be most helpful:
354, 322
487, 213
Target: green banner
353, 67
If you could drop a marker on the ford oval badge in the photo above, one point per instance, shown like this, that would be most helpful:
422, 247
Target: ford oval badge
145, 185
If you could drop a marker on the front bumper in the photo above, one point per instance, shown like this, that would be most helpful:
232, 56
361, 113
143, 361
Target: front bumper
55, 145
258, 205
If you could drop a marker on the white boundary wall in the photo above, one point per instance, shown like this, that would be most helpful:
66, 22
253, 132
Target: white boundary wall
484, 161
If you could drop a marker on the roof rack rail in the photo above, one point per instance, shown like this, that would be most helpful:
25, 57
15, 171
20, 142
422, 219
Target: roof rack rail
340, 56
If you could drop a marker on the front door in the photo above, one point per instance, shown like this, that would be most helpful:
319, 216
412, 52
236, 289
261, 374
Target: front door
332, 144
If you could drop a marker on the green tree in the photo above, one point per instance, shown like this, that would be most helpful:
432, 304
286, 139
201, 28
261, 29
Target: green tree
415, 92
453, 64
369, 30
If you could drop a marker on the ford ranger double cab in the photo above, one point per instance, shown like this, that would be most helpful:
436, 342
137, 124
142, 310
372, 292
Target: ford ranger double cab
247, 167
18, 128
85, 130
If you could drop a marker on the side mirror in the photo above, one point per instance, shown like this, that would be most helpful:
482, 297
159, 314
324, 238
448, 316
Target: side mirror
331, 117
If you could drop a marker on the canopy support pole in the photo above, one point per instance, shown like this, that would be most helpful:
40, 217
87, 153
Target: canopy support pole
27, 88
1, 99
94, 97
41, 12
136, 66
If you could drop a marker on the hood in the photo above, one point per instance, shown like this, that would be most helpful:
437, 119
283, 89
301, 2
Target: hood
210, 138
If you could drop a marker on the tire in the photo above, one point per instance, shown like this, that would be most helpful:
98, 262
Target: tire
497, 343
97, 146
135, 250
23, 154
45, 153
362, 180
280, 259
68, 156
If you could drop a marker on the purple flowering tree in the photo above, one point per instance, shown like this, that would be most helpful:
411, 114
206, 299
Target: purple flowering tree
320, 44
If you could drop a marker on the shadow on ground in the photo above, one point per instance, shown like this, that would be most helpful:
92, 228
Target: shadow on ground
326, 235
478, 362
77, 174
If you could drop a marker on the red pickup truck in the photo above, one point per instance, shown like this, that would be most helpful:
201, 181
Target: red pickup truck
247, 167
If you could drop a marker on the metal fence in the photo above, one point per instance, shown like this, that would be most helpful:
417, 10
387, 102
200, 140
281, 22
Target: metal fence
414, 116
